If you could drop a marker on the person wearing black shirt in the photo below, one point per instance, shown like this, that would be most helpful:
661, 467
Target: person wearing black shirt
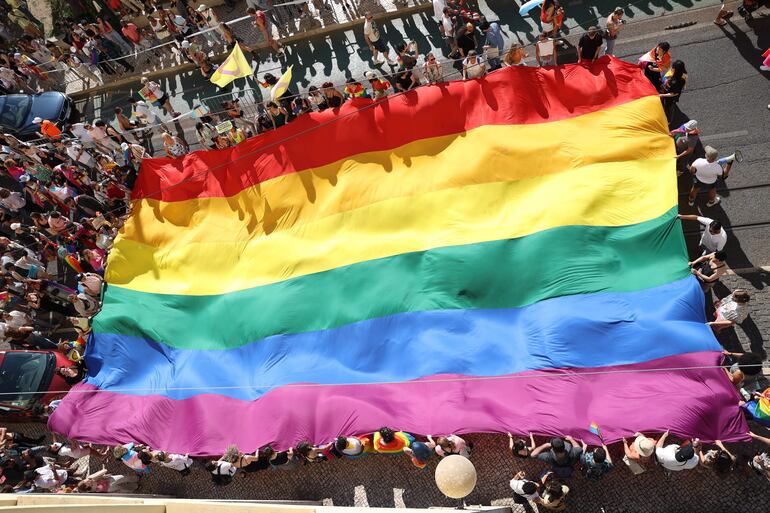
590, 45
466, 39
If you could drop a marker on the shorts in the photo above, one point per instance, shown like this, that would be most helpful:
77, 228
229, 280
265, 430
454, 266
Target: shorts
708, 186
161, 101
380, 45
547, 26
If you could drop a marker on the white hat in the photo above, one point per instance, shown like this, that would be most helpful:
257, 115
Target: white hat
15, 226
37, 120
691, 125
185, 44
73, 49
124, 146
644, 446
202, 7
371, 75
16, 55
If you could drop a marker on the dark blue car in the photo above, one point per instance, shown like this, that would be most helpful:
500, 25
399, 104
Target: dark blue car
18, 110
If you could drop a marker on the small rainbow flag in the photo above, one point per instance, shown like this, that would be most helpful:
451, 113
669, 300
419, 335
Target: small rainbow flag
594, 428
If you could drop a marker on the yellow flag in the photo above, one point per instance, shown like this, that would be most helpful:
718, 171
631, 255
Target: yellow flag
282, 85
235, 66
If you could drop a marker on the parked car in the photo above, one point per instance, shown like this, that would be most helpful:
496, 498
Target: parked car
18, 110
22, 372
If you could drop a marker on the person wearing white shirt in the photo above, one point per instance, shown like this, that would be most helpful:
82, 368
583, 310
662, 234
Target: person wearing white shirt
79, 154
448, 28
675, 457
160, 94
731, 310
80, 130
49, 477
142, 111
178, 462
374, 40
523, 488
714, 236
705, 173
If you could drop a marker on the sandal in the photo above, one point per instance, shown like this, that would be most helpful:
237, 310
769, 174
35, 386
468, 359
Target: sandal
720, 22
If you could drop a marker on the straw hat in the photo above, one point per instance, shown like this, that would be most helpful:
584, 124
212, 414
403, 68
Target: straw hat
644, 446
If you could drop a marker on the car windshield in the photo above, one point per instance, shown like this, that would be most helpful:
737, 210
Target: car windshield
14, 110
21, 373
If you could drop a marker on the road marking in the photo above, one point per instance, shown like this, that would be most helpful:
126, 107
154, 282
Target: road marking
724, 135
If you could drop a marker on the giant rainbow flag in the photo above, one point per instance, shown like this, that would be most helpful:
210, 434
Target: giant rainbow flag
499, 254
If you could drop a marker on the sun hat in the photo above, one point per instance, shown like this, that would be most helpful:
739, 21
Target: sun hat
644, 446
691, 125
185, 44
37, 120
202, 7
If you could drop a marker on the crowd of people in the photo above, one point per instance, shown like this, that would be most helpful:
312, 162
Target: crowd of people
64, 196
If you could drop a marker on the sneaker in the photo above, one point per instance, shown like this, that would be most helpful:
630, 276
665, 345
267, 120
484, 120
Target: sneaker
713, 202
764, 68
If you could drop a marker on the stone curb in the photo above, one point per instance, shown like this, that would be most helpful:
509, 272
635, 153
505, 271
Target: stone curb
117, 84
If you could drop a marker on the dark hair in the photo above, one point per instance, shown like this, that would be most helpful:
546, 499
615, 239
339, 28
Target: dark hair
678, 72
519, 445
341, 443
267, 451
714, 225
131, 100
720, 255
553, 488
303, 448
750, 363
118, 110
664, 46
210, 466
723, 463
400, 47
387, 434
272, 104
99, 122
484, 25
529, 487
557, 444
221, 479
599, 455
145, 457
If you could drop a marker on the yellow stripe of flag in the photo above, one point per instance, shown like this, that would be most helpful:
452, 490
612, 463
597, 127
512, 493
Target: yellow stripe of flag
235, 66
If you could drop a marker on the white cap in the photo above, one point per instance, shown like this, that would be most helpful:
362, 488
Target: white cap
37, 120
16, 55
371, 75
185, 44
15, 226
202, 7
124, 146
691, 125
73, 49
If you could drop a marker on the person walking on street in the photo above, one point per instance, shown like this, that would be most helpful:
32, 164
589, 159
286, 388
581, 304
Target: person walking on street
494, 45
589, 46
374, 40
615, 22
706, 172
156, 96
